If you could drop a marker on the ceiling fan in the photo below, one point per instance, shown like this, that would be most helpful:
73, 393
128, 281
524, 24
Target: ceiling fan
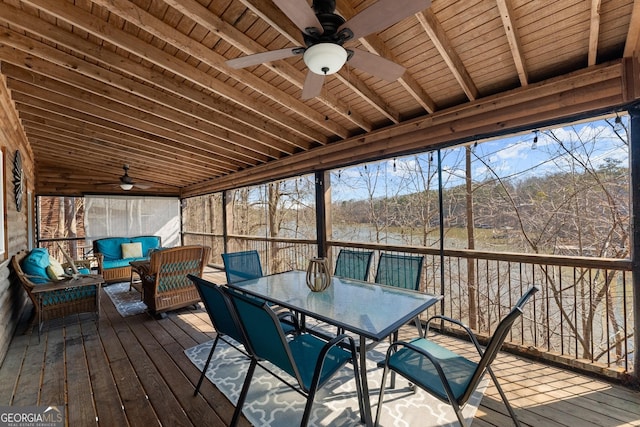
325, 33
127, 183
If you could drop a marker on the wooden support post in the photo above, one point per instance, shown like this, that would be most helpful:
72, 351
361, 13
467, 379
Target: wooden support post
634, 164
634, 154
225, 219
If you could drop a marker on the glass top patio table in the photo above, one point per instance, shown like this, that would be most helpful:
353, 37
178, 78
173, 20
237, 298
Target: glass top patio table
368, 309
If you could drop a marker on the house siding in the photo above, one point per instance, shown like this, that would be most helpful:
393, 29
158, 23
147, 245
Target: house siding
12, 297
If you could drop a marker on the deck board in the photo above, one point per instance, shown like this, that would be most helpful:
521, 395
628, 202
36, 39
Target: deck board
133, 371
79, 388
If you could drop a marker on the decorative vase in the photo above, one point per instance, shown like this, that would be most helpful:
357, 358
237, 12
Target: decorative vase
318, 276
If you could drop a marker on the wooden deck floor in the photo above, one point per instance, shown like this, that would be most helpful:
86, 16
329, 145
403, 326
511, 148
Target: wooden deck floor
133, 372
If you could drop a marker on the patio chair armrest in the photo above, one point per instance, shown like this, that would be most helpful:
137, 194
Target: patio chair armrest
464, 327
290, 318
337, 342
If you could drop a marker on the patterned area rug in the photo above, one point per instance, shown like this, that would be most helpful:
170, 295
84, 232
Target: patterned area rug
127, 301
271, 403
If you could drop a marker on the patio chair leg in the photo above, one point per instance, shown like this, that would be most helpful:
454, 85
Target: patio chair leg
504, 397
458, 412
206, 365
243, 392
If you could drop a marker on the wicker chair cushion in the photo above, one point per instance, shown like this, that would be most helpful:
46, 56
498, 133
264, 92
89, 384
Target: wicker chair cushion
67, 295
35, 265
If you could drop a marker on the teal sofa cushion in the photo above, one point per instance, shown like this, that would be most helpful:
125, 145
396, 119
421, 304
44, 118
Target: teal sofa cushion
35, 265
110, 247
116, 263
149, 243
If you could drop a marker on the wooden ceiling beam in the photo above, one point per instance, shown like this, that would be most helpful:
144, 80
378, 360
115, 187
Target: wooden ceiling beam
81, 100
111, 175
201, 15
436, 33
232, 118
61, 137
122, 138
139, 17
632, 44
594, 32
65, 106
122, 89
129, 43
231, 145
48, 147
508, 22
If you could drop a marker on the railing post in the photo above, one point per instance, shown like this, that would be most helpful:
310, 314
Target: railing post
634, 164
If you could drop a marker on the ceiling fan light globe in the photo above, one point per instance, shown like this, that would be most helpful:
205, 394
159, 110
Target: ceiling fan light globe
325, 58
125, 186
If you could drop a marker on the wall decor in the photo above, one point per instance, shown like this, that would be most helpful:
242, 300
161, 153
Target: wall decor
17, 180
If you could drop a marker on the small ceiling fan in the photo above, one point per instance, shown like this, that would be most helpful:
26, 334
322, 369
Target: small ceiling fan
325, 33
127, 183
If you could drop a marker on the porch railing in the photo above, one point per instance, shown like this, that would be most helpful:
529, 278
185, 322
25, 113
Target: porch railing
582, 317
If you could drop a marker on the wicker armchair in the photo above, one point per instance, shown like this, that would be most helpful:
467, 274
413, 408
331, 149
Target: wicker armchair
62, 298
166, 286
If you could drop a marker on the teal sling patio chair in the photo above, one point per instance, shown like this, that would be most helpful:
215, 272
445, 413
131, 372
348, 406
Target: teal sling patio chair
225, 320
401, 271
445, 374
353, 264
239, 266
308, 359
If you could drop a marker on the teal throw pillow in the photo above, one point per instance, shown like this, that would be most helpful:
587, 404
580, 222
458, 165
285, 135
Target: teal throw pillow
35, 265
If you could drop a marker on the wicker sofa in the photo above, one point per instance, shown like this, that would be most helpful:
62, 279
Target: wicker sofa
112, 264
57, 299
165, 284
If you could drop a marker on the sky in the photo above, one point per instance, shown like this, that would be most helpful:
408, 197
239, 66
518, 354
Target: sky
516, 157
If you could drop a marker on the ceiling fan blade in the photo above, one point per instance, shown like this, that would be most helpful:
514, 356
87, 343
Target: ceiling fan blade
383, 14
142, 186
312, 85
376, 65
300, 13
261, 58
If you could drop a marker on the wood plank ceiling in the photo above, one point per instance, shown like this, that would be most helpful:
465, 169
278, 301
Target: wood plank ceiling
102, 83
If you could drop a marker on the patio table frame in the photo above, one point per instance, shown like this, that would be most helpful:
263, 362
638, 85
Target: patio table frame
369, 310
